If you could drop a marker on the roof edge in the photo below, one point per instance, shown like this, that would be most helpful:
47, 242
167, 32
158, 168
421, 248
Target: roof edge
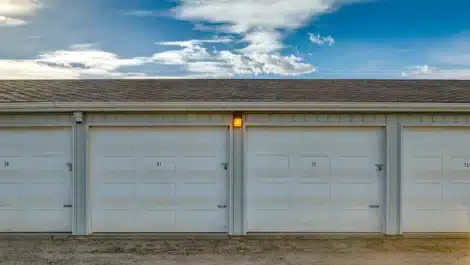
232, 106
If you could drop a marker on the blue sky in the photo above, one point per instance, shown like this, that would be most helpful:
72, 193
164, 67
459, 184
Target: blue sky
234, 39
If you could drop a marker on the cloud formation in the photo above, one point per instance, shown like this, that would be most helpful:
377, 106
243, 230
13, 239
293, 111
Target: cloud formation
226, 63
452, 61
77, 62
427, 72
261, 25
253, 42
317, 39
12, 12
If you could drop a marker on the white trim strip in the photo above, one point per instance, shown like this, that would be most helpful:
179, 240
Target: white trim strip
233, 106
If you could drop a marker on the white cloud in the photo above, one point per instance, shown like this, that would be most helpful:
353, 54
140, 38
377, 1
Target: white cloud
418, 70
18, 7
248, 61
317, 39
83, 46
30, 69
72, 63
143, 13
11, 11
8, 21
247, 15
191, 51
193, 43
451, 60
263, 41
259, 23
427, 72
262, 63
90, 59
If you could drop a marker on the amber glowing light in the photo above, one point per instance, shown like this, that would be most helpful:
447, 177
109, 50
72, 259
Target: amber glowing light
237, 122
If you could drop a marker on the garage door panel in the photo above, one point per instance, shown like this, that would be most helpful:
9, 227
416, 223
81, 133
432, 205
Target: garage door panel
353, 195
113, 219
455, 196
273, 196
309, 194
424, 220
201, 164
321, 217
422, 196
169, 173
115, 196
152, 164
9, 165
269, 219
314, 171
11, 196
424, 167
270, 166
165, 219
435, 180
455, 221
35, 181
313, 167
55, 219
357, 220
116, 164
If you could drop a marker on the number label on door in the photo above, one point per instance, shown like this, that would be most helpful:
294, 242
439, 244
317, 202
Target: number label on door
314, 164
6, 164
159, 164
466, 164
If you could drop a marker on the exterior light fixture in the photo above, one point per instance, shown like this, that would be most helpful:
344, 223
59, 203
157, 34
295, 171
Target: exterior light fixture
237, 120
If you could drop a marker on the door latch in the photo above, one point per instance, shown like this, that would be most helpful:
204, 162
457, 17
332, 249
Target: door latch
225, 165
379, 167
70, 166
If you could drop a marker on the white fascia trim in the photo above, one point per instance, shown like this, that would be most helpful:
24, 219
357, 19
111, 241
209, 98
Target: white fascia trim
233, 106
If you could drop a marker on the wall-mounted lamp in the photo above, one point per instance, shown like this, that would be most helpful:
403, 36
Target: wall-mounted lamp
237, 120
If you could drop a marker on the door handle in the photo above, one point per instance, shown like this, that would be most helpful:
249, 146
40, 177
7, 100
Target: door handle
67, 205
225, 165
379, 167
222, 206
374, 206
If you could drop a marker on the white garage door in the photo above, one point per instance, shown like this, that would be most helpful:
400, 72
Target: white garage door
314, 179
436, 180
35, 181
159, 179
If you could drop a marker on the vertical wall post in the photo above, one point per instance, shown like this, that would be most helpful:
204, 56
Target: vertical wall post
392, 218
237, 188
79, 215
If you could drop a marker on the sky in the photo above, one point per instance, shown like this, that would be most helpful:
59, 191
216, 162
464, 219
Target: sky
347, 39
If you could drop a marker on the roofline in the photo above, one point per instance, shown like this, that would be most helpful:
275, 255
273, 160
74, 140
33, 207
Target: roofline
232, 106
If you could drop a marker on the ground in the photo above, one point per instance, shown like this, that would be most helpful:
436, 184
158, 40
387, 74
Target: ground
242, 251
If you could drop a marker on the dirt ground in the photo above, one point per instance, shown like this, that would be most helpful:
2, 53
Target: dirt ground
231, 252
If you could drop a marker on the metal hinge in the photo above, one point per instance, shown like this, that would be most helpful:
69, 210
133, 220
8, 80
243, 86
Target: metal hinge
70, 166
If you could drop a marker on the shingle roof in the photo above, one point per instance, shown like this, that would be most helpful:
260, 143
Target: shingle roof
235, 90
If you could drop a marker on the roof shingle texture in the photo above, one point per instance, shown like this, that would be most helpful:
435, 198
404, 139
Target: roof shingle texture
235, 90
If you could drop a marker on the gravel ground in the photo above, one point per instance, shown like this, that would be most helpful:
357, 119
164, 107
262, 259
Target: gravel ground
244, 251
